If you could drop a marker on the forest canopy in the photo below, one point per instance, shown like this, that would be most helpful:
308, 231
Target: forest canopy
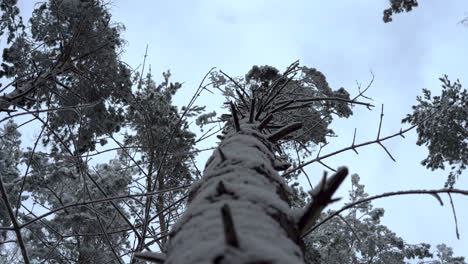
101, 163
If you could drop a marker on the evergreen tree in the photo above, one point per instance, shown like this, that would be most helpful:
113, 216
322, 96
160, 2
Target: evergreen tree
360, 237
68, 59
66, 64
445, 256
241, 203
157, 126
443, 128
10, 156
80, 234
298, 95
398, 6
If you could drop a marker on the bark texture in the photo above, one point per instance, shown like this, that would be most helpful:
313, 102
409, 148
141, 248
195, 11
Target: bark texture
239, 212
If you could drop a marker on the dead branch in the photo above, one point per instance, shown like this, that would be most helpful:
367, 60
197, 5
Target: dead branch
235, 83
265, 121
252, 111
235, 118
151, 256
353, 146
281, 133
321, 197
388, 194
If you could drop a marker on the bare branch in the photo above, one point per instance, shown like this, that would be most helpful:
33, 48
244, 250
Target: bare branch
388, 194
27, 169
321, 197
307, 101
380, 122
265, 121
400, 133
235, 83
361, 93
386, 150
326, 166
262, 107
241, 97
206, 136
454, 216
151, 256
143, 67
235, 118
281, 133
437, 196
303, 171
252, 110
350, 228
282, 106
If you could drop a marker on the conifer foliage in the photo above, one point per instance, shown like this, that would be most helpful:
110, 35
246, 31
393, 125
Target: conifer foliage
443, 128
109, 175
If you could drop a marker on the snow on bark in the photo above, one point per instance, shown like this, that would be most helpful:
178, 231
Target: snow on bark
239, 212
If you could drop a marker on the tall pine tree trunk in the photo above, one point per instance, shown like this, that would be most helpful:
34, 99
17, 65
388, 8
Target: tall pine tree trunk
239, 212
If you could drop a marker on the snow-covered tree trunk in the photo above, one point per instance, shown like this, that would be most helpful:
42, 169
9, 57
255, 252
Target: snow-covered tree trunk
239, 212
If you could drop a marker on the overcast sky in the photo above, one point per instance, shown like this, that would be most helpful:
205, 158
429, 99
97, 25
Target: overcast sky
345, 40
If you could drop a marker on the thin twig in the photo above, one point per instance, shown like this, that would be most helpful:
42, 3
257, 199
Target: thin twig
361, 94
386, 150
454, 216
326, 166
350, 228
299, 161
27, 169
354, 139
380, 122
